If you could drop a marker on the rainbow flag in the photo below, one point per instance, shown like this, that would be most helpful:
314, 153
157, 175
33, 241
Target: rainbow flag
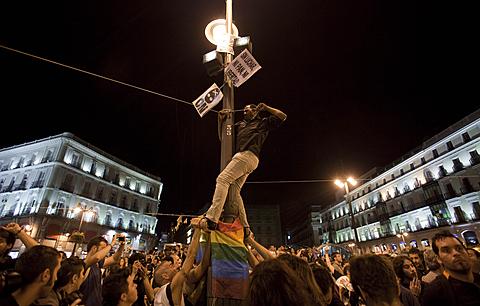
229, 262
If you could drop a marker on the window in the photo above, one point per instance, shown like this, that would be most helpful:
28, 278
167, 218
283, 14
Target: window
423, 160
474, 157
466, 137
113, 197
435, 153
457, 165
412, 166
450, 146
86, 188
75, 160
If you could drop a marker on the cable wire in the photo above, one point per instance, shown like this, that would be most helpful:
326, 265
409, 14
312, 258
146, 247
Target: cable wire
106, 78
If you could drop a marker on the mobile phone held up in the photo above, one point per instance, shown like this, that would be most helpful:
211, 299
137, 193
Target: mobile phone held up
121, 239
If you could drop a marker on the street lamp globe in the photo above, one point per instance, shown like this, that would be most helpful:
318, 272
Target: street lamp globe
216, 30
339, 183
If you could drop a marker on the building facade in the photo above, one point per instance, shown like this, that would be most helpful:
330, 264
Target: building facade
265, 224
58, 184
436, 186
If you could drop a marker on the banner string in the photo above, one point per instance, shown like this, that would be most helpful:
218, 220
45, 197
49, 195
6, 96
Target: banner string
104, 77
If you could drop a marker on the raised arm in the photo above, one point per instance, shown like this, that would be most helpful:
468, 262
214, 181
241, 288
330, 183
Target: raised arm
25, 238
196, 273
115, 258
257, 246
179, 278
276, 112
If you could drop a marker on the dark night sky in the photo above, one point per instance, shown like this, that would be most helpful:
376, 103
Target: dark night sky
362, 82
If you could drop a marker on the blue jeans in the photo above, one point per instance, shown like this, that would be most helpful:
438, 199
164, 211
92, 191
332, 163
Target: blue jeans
232, 178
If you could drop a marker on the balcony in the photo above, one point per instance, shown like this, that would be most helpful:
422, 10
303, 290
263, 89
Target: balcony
67, 187
21, 186
38, 184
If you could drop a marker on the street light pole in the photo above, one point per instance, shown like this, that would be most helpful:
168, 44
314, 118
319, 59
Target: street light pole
228, 99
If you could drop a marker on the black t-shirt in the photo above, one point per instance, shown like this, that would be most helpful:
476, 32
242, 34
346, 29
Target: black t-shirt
8, 301
452, 292
251, 134
7, 263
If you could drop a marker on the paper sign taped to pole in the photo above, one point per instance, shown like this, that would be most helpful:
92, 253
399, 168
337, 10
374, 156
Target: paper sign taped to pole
208, 100
242, 68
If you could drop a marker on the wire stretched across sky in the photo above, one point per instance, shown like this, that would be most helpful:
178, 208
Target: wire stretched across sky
105, 78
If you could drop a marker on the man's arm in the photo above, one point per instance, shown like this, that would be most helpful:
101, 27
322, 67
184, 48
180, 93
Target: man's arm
276, 112
252, 260
260, 248
179, 278
115, 258
95, 256
196, 273
25, 238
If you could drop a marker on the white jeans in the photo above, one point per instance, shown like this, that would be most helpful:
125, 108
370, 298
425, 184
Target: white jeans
232, 178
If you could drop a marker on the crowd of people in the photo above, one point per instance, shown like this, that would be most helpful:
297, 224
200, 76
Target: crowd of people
109, 274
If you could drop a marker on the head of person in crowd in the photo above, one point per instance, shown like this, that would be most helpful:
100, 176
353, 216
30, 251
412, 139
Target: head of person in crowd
404, 269
164, 273
7, 240
63, 255
431, 260
70, 275
346, 269
373, 278
304, 272
475, 258
118, 289
137, 257
416, 256
451, 253
337, 258
38, 267
122, 263
96, 244
324, 279
273, 282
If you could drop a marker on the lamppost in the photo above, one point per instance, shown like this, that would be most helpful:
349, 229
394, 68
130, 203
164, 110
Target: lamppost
344, 184
403, 235
78, 236
216, 32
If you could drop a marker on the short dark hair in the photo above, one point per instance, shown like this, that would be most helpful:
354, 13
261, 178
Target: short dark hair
113, 286
335, 254
414, 251
95, 241
441, 236
9, 238
134, 257
70, 267
251, 106
375, 276
35, 261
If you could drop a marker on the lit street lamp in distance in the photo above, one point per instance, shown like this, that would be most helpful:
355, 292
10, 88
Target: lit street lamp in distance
344, 185
78, 236
88, 211
403, 235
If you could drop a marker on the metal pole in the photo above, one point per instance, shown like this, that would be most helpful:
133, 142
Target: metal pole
81, 221
228, 101
347, 191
